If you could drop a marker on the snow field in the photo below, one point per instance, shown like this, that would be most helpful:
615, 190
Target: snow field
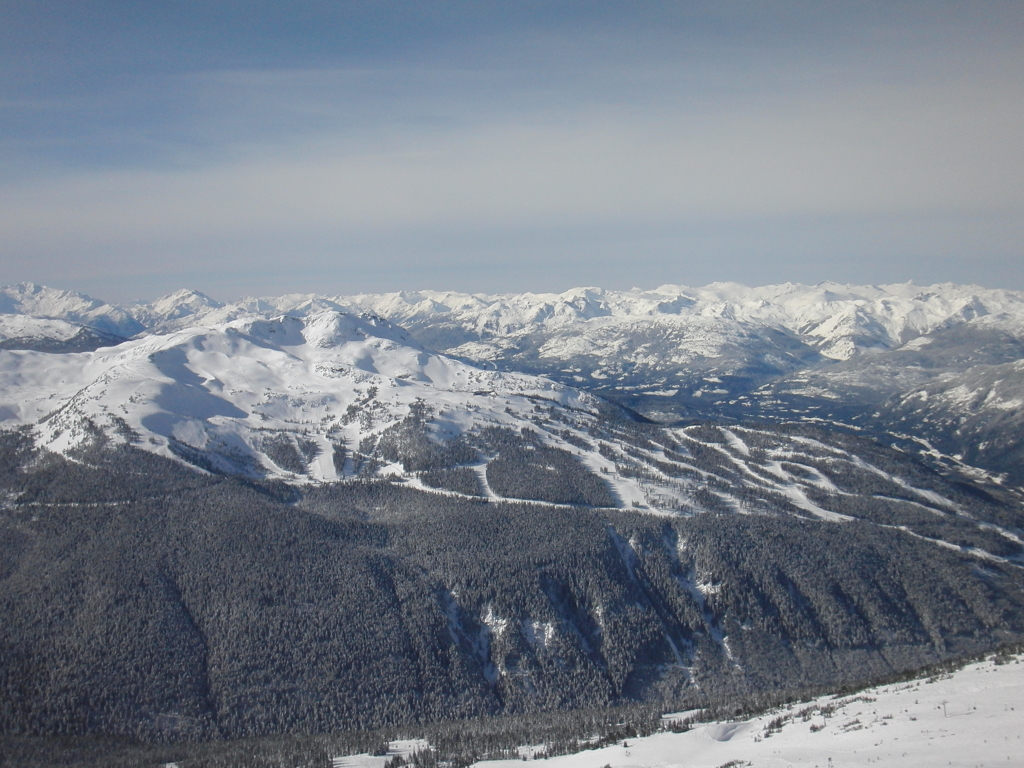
972, 717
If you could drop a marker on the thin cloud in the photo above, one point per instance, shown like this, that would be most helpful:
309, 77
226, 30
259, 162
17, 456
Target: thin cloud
640, 136
859, 152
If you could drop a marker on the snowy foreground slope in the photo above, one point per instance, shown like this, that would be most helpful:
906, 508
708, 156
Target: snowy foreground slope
971, 717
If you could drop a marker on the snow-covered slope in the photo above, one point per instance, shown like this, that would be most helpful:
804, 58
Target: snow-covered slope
976, 416
971, 717
299, 389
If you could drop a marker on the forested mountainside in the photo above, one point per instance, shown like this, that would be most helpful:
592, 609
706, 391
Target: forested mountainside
143, 598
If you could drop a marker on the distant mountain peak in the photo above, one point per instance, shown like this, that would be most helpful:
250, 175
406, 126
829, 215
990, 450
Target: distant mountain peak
40, 301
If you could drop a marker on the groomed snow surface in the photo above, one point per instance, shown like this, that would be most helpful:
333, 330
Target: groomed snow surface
972, 717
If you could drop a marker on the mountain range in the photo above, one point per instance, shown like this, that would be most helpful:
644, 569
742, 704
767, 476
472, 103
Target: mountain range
312, 513
860, 356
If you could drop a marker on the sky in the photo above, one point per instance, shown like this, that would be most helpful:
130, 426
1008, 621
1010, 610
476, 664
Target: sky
259, 148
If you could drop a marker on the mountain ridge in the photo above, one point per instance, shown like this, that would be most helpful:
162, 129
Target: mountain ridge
902, 310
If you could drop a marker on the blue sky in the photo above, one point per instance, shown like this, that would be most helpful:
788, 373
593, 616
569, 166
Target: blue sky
337, 147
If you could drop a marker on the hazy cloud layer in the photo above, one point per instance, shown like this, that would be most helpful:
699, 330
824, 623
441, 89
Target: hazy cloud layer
504, 151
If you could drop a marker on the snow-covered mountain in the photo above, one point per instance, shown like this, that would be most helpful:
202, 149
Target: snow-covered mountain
75, 309
179, 310
667, 352
839, 321
976, 416
285, 396
676, 350
46, 335
330, 396
854, 390
827, 352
